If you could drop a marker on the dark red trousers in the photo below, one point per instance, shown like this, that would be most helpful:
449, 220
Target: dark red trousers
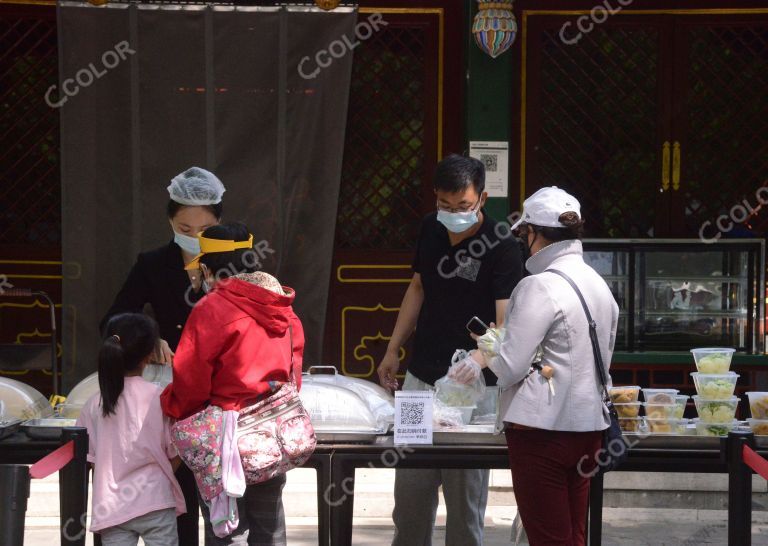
550, 476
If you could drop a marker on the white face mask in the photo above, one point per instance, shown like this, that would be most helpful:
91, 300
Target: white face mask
188, 244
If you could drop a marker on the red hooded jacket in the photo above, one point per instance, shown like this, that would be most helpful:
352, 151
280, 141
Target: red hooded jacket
235, 341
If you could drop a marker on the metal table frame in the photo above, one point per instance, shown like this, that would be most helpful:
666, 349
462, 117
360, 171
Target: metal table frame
335, 465
18, 449
347, 458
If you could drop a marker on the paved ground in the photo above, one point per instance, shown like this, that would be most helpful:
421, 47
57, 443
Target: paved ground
617, 532
373, 508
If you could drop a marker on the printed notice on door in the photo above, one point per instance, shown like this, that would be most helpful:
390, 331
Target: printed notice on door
495, 157
413, 417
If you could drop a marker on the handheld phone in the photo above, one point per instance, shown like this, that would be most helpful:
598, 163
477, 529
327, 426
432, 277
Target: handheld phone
477, 326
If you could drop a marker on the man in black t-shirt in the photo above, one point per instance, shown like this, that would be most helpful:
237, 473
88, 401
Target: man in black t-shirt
466, 265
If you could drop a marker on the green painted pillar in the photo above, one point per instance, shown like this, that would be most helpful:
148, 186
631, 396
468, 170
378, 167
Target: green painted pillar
488, 102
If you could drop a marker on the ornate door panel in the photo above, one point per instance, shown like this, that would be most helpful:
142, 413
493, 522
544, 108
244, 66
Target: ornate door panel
594, 118
30, 192
655, 117
402, 118
721, 123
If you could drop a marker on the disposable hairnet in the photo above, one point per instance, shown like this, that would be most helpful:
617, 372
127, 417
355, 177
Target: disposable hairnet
196, 187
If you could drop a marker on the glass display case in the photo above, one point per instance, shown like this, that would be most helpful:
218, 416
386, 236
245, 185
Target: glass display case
677, 294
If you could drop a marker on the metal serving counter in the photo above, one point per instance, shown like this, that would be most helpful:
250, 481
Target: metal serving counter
336, 463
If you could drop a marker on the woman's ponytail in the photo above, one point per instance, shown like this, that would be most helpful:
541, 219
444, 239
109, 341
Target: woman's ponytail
111, 374
131, 339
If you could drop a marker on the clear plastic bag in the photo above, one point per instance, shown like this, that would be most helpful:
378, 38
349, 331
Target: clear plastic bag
454, 394
445, 416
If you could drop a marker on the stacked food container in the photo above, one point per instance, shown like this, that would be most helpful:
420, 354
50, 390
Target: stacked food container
663, 410
758, 406
715, 386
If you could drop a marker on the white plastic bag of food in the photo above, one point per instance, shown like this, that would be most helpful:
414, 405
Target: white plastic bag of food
454, 394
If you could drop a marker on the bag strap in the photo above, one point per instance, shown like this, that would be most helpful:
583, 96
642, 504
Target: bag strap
291, 372
592, 332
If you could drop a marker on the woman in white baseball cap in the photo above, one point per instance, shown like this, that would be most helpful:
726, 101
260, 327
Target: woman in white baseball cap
554, 426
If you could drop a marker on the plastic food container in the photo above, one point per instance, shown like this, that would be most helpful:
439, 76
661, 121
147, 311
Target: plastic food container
758, 426
681, 402
716, 411
667, 426
713, 360
758, 404
631, 424
661, 411
715, 386
466, 413
629, 410
20, 401
660, 396
714, 429
624, 395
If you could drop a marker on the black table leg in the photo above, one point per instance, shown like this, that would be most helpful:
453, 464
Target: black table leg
73, 493
341, 499
322, 464
596, 510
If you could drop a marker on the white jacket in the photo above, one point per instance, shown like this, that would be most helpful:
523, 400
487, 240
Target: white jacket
545, 310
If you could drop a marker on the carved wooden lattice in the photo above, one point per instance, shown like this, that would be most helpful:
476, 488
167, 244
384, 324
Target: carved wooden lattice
598, 126
380, 196
30, 197
725, 155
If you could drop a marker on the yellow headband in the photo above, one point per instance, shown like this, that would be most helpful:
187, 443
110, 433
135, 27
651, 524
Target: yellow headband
210, 246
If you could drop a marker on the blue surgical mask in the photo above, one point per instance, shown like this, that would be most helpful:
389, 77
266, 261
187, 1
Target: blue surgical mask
457, 222
188, 244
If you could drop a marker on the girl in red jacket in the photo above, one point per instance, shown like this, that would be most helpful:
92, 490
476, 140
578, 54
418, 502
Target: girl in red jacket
234, 343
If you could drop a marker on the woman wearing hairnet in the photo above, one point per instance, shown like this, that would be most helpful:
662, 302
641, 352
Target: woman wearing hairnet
158, 278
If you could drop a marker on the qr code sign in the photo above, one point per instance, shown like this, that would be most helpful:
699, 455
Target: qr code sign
491, 162
412, 413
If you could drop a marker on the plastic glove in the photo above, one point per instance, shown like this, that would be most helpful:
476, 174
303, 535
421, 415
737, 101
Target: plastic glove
490, 342
465, 372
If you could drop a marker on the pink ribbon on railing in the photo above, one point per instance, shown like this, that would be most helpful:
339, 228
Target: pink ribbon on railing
54, 461
755, 462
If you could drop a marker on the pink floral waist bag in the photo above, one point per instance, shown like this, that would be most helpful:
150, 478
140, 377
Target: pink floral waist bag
274, 435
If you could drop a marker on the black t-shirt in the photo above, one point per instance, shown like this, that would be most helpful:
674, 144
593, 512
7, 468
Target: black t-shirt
459, 282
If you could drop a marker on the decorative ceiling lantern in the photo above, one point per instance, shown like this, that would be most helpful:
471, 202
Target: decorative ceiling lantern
327, 5
494, 27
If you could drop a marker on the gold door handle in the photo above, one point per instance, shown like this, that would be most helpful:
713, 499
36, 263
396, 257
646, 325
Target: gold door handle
665, 166
676, 166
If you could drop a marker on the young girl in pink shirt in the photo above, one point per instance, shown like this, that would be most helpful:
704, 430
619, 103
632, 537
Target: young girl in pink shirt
135, 493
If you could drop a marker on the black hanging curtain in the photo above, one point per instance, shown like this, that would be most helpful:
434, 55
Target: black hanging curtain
147, 90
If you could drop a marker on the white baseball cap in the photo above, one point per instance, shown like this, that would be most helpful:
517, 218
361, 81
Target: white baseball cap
544, 208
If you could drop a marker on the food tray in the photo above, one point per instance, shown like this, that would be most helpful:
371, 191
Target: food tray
682, 441
8, 428
346, 437
468, 435
46, 429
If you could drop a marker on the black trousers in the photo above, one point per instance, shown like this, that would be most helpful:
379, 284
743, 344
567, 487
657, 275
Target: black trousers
262, 519
188, 523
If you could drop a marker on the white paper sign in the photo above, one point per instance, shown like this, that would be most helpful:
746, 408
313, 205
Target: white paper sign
413, 417
495, 156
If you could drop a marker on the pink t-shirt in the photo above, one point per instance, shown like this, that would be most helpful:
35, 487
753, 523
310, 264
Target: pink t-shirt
130, 450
